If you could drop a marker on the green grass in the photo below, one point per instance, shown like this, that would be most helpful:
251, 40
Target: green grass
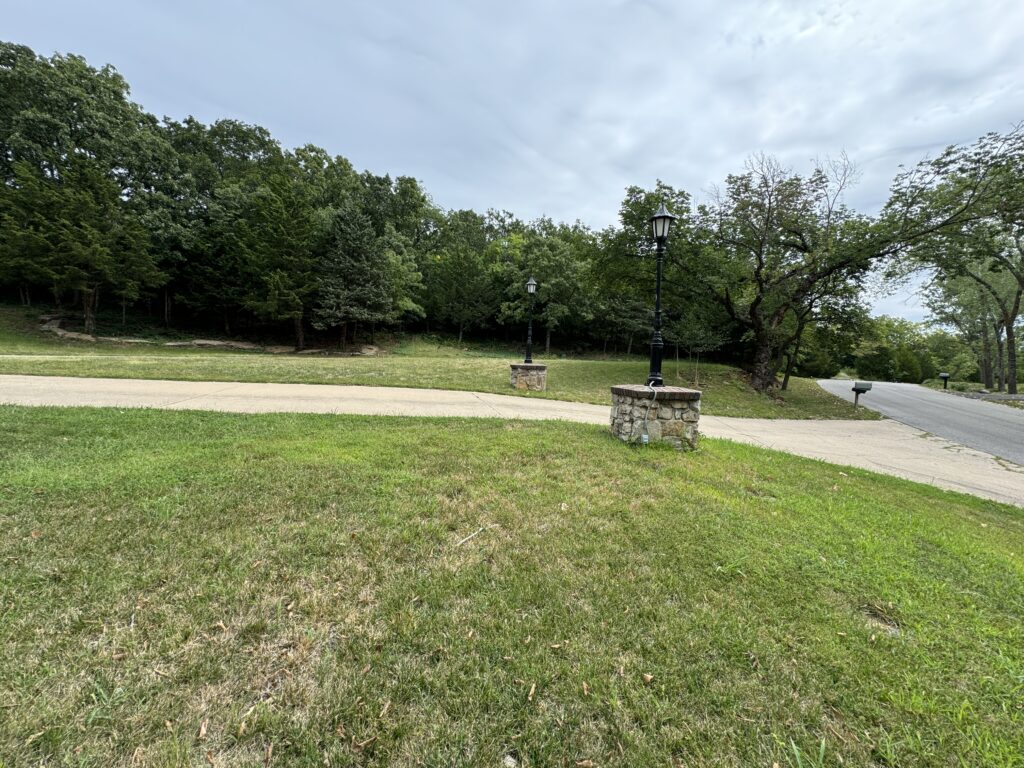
412, 363
309, 582
955, 386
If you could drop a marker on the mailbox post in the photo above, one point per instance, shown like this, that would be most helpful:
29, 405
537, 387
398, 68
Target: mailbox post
945, 380
859, 388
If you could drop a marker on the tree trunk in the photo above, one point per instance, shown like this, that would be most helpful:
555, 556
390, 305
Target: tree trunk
789, 369
460, 333
167, 308
344, 335
629, 347
547, 341
1011, 359
300, 335
227, 323
1011, 342
763, 375
89, 301
985, 364
124, 314
1000, 365
791, 363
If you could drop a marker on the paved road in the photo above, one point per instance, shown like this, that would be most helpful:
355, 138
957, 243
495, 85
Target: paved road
990, 427
881, 446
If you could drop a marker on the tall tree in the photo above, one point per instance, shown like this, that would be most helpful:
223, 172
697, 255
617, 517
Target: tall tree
354, 283
782, 239
988, 246
457, 272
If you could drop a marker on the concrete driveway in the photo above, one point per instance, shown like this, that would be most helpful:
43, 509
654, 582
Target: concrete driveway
882, 446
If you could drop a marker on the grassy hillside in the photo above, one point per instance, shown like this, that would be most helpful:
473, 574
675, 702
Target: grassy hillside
414, 362
182, 588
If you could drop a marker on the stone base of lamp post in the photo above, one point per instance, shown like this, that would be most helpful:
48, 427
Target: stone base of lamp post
664, 414
531, 376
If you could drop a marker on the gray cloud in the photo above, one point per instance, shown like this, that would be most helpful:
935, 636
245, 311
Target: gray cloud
553, 108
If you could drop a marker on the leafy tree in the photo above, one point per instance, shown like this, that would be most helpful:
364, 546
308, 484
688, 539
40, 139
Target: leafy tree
353, 285
557, 256
785, 242
963, 304
73, 157
75, 235
458, 273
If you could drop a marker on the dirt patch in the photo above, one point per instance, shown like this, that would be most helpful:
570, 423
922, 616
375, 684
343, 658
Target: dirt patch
880, 619
214, 344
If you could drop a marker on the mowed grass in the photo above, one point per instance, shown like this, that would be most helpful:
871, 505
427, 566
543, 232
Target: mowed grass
303, 590
412, 363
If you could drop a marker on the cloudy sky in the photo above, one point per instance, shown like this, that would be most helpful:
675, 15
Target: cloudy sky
555, 107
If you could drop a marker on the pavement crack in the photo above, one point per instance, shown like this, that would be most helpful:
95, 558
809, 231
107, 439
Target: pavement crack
201, 395
487, 405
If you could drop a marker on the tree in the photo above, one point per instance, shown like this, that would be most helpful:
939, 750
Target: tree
353, 285
963, 304
894, 349
557, 256
785, 243
987, 247
73, 155
278, 237
75, 235
457, 272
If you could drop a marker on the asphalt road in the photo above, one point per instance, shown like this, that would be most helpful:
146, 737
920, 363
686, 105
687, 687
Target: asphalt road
989, 427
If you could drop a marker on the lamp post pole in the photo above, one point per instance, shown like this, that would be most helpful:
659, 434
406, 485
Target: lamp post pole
531, 289
660, 222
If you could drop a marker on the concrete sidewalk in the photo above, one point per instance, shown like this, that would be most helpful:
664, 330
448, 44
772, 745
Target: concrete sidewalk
882, 446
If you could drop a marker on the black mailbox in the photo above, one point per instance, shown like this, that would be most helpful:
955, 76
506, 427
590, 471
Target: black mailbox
859, 388
945, 380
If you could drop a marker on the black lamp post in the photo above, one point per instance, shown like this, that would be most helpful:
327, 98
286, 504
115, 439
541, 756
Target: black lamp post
661, 222
531, 289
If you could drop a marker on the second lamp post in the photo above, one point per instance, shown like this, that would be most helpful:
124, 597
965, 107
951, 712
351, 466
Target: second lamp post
531, 289
661, 222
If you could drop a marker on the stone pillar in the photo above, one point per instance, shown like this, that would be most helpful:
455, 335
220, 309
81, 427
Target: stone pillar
671, 417
531, 376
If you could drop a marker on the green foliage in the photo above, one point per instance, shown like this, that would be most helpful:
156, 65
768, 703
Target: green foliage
877, 364
820, 356
906, 366
895, 349
977, 257
458, 272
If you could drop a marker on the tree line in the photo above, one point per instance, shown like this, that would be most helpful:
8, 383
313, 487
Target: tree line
219, 226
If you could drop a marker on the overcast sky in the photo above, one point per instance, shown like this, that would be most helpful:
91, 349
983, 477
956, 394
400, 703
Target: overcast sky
554, 107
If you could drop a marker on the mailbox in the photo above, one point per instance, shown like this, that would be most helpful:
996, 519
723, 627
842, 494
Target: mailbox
945, 380
859, 388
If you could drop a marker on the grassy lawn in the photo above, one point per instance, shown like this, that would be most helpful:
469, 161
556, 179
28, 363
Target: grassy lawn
412, 363
194, 588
